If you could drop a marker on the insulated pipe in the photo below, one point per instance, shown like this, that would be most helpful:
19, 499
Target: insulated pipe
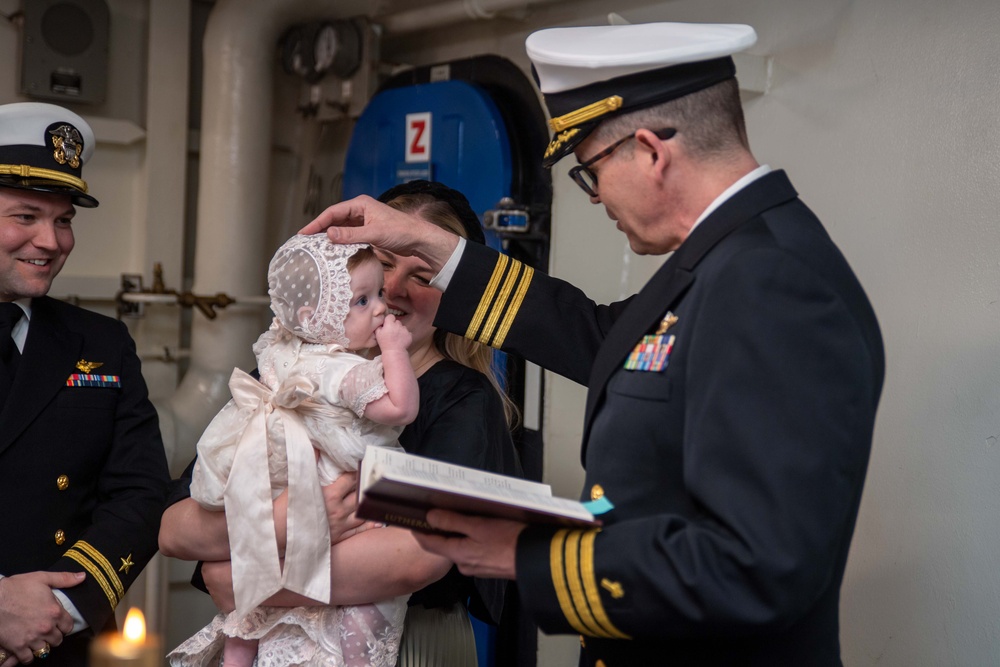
450, 13
230, 256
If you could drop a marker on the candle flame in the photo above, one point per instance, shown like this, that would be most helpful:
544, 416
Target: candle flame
135, 626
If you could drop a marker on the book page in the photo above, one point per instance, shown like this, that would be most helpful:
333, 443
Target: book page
400, 488
381, 462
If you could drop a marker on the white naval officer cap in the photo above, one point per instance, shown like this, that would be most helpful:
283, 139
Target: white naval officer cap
592, 73
43, 147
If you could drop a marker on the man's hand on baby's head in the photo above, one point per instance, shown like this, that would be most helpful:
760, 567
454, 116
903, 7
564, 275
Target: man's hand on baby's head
392, 335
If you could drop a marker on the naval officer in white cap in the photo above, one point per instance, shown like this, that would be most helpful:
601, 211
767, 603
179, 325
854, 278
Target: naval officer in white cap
730, 402
82, 468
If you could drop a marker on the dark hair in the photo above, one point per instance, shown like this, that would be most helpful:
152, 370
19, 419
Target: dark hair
451, 202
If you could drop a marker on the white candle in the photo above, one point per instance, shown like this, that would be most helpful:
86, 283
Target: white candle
132, 648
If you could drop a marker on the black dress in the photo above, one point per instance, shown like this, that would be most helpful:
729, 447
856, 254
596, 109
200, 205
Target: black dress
461, 421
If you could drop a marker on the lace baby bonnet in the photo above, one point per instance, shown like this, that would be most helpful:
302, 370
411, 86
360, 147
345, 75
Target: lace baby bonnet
310, 287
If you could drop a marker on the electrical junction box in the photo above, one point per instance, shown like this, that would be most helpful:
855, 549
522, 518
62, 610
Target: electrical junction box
64, 50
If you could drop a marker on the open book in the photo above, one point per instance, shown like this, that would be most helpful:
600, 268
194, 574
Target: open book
398, 488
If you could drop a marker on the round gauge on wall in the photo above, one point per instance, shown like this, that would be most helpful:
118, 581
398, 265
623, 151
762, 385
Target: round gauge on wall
325, 48
310, 50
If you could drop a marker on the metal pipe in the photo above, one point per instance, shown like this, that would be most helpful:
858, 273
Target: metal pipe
450, 13
174, 299
232, 199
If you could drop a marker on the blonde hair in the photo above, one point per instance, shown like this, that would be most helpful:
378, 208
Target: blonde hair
362, 256
467, 352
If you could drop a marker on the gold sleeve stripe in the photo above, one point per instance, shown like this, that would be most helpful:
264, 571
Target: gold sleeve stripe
484, 303
516, 269
559, 581
515, 305
590, 586
99, 558
572, 558
500, 302
89, 566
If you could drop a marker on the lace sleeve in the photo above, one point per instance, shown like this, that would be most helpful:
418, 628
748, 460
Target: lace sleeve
363, 384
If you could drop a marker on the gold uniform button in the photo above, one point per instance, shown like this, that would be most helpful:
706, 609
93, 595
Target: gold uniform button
62, 482
583, 644
596, 492
599, 663
60, 537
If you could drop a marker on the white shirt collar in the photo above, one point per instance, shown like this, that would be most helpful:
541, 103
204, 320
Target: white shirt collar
746, 180
20, 331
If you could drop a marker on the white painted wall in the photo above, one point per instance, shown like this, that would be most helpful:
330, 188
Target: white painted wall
884, 113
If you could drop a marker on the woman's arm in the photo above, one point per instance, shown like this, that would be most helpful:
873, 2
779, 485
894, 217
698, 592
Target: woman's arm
372, 565
375, 565
190, 532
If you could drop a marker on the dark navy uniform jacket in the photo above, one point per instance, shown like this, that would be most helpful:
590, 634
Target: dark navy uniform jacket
82, 468
735, 472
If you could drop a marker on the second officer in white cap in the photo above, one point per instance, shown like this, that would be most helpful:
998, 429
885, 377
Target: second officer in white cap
730, 402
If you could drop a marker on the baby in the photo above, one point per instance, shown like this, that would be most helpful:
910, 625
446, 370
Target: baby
320, 401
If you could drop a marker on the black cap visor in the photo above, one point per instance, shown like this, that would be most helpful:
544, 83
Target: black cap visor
637, 91
78, 197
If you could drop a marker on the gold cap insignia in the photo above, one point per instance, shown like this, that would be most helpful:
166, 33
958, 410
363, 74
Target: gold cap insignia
560, 139
85, 366
68, 145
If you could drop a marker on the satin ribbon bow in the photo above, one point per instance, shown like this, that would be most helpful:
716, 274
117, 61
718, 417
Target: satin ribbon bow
257, 572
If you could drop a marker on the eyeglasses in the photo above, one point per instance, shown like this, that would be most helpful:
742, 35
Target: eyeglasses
587, 180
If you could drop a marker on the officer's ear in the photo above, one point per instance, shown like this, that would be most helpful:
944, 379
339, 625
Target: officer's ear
657, 151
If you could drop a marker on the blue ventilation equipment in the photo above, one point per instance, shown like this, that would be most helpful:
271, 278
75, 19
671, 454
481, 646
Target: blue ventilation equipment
468, 147
447, 131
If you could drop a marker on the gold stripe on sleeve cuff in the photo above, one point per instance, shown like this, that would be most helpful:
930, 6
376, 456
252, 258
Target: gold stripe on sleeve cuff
500, 302
484, 302
572, 564
590, 586
571, 559
515, 305
99, 559
559, 581
94, 572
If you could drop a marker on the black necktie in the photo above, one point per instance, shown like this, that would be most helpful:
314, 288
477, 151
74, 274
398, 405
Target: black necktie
10, 313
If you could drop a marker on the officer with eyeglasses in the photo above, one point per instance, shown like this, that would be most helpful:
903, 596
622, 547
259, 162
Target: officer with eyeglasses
730, 402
